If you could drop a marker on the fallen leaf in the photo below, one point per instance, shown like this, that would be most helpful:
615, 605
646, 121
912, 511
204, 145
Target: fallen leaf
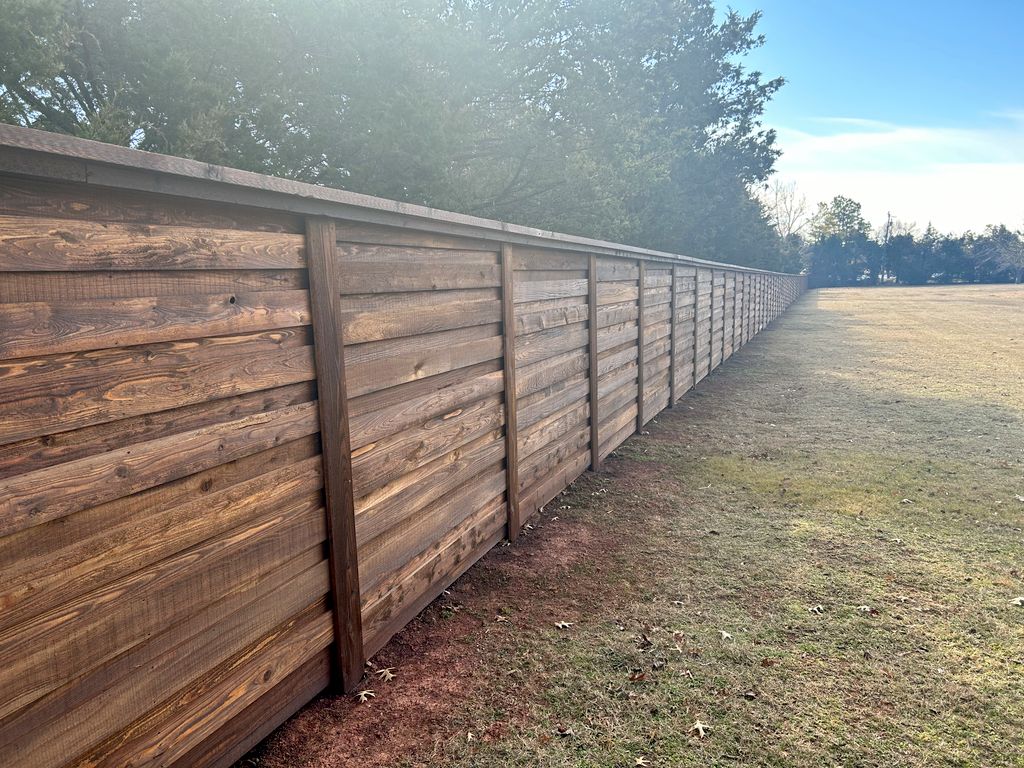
564, 624
387, 674
637, 676
700, 729
766, 662
365, 696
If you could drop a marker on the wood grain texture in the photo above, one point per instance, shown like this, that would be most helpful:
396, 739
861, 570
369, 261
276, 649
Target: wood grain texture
51, 493
641, 327
509, 357
57, 393
325, 281
33, 244
592, 277
44, 328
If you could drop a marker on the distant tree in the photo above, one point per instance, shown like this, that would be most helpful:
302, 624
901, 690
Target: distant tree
786, 207
1002, 249
841, 251
841, 218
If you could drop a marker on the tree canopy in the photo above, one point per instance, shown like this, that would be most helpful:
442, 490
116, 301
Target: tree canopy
609, 118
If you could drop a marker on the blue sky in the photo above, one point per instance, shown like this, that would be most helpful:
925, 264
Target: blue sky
907, 106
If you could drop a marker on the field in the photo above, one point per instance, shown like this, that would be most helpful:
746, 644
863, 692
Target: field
815, 556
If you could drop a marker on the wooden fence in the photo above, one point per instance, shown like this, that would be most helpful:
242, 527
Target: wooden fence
251, 427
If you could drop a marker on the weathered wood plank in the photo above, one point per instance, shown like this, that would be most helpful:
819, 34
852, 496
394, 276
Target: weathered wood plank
384, 508
377, 463
527, 291
396, 269
373, 418
33, 585
45, 653
592, 352
641, 345
380, 365
410, 590
43, 328
325, 281
45, 200
53, 492
64, 392
543, 344
36, 453
511, 360
549, 371
167, 733
76, 717
382, 557
33, 244
66, 287
402, 315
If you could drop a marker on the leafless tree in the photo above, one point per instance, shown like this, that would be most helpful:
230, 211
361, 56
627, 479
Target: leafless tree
1004, 248
787, 207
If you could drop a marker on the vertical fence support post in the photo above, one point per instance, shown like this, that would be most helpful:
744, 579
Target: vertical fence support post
595, 445
332, 397
711, 327
696, 306
672, 362
640, 347
746, 309
725, 291
737, 339
508, 335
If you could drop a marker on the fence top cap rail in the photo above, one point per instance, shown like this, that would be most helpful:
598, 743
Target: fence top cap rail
54, 156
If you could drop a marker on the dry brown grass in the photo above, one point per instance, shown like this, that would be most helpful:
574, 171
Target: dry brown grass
866, 450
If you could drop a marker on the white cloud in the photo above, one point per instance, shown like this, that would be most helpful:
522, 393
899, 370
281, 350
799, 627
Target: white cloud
956, 178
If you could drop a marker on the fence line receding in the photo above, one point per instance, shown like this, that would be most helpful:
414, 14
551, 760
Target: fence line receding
251, 427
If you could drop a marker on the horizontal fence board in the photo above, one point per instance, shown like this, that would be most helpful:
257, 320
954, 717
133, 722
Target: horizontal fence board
37, 244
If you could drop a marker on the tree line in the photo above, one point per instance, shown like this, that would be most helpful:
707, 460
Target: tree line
633, 122
837, 247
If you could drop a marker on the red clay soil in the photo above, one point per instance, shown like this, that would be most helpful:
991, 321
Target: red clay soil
436, 657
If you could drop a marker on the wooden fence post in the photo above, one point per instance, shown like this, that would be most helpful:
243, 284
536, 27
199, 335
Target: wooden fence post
725, 292
732, 320
672, 363
696, 306
737, 340
640, 348
595, 445
508, 335
711, 326
325, 301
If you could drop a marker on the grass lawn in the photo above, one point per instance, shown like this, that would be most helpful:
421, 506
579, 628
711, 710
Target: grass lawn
814, 555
